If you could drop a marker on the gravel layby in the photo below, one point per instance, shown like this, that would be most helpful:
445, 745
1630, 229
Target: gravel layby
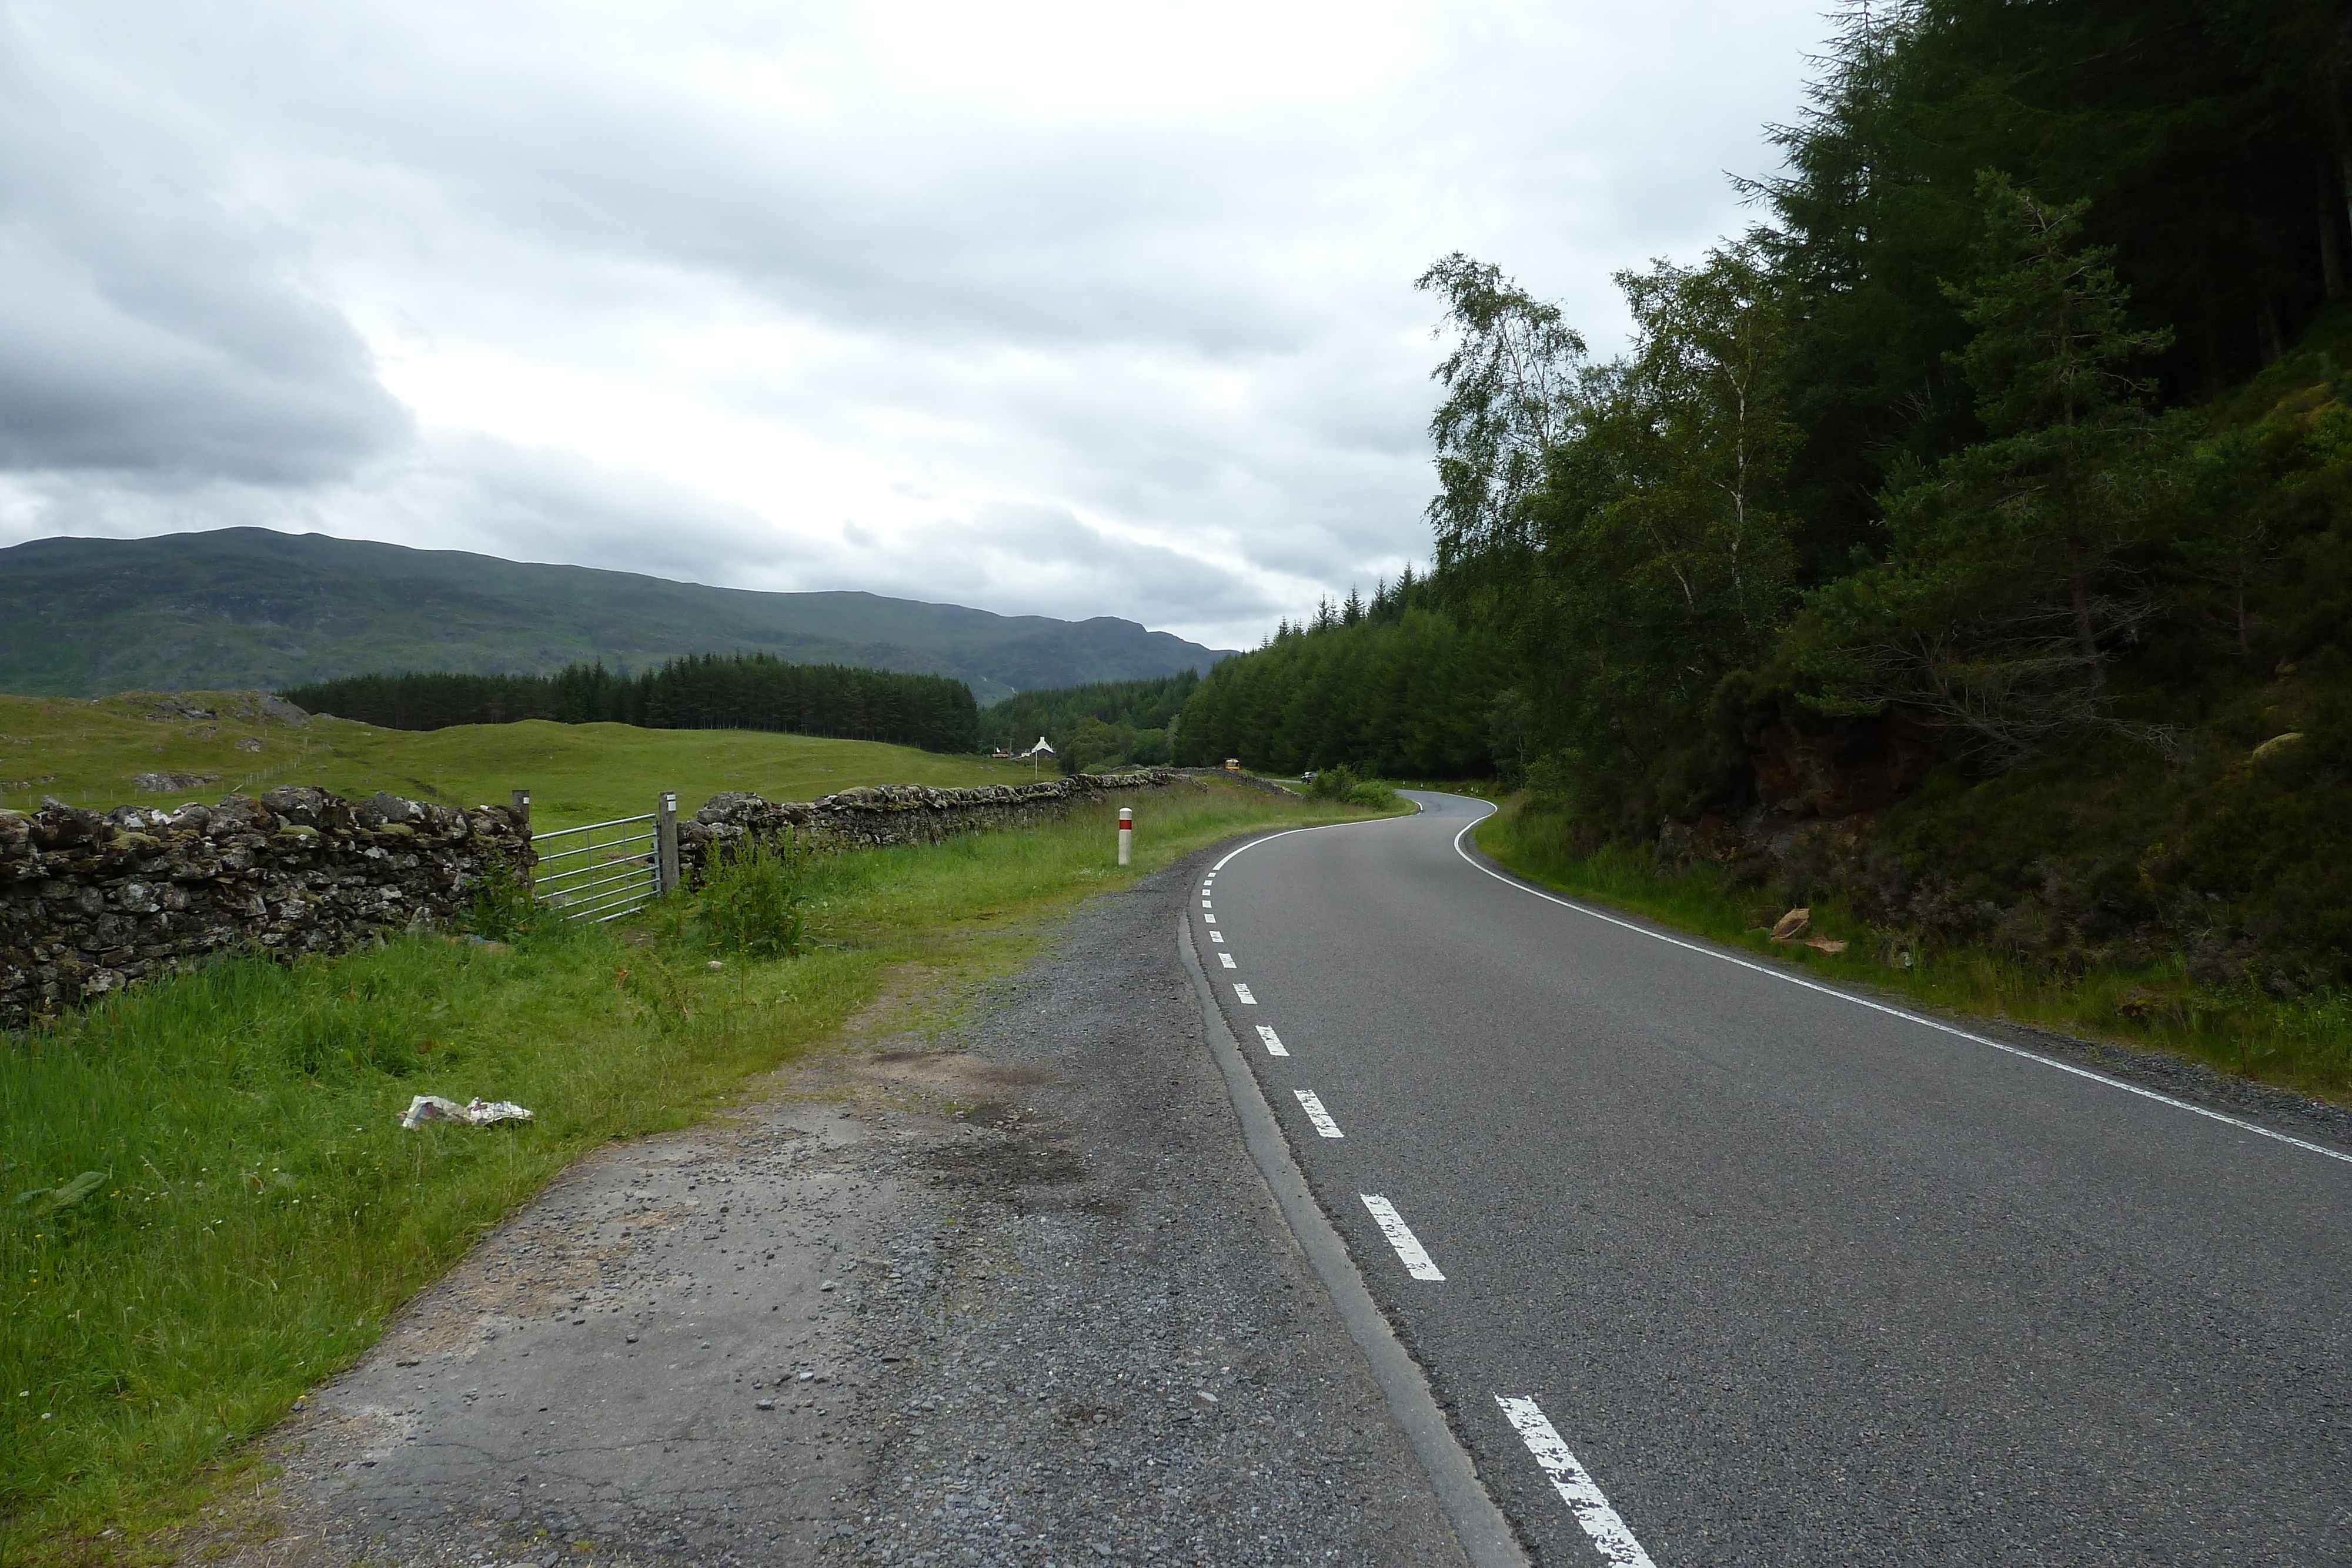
1013, 1296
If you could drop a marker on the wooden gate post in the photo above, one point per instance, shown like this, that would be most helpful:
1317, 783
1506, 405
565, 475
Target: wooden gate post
667, 878
529, 859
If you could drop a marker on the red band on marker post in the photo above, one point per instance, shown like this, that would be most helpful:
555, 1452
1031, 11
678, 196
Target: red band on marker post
1126, 834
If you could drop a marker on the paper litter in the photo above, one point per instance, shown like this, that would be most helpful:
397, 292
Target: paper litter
478, 1113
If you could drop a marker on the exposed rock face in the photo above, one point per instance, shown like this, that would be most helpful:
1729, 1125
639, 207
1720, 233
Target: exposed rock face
90, 902
171, 783
1807, 766
894, 813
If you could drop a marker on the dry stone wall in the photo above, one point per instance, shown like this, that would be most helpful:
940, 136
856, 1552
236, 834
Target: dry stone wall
90, 902
896, 813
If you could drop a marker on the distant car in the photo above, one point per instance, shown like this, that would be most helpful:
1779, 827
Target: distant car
1307, 777
1233, 765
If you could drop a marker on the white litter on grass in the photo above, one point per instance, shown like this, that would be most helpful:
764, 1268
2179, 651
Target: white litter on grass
478, 1113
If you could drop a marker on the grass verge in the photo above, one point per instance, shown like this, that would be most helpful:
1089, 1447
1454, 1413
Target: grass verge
2306, 1044
257, 1214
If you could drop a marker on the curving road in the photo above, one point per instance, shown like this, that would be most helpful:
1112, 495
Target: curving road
1737, 1270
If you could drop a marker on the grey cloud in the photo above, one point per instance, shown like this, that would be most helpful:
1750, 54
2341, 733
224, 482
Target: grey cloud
1040, 559
153, 323
1195, 326
455, 491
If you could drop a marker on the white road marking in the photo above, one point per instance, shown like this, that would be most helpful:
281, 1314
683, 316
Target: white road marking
1227, 960
1317, 1115
1285, 833
1273, 1045
1204, 903
1212, 920
1401, 1237
1940, 1027
1243, 991
1576, 1486
1216, 935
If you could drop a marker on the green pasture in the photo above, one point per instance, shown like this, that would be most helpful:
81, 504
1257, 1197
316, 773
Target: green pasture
86, 752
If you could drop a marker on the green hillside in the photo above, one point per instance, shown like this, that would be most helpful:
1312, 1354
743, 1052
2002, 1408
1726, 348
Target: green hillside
242, 607
91, 753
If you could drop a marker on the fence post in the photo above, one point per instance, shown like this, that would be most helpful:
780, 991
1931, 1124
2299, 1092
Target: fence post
523, 810
666, 866
1126, 834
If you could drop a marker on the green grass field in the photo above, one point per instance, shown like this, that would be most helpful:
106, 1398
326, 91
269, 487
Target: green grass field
256, 1214
86, 753
2304, 1044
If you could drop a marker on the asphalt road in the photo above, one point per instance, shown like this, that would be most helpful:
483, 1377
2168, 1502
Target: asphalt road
1770, 1277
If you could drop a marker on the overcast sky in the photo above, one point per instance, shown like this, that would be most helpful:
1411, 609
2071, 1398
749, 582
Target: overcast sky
1073, 309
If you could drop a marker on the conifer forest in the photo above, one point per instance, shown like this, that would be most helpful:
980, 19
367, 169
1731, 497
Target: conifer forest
1969, 539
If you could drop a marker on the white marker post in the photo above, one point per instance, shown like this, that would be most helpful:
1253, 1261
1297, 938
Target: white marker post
1125, 835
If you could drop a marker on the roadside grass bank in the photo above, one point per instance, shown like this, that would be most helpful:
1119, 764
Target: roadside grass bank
257, 1214
2304, 1044
86, 753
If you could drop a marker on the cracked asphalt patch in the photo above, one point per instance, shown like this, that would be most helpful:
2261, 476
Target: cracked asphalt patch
1015, 1296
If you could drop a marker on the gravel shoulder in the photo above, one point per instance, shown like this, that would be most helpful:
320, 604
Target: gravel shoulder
1013, 1294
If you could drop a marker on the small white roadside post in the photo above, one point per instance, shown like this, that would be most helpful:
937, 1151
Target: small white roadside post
1125, 835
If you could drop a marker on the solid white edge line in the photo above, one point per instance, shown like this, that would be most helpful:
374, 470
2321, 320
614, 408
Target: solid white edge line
1313, 1106
1318, 828
1575, 1484
1409, 1249
1908, 1017
1273, 1045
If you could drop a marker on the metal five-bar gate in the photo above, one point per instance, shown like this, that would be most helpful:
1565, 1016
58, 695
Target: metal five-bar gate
604, 870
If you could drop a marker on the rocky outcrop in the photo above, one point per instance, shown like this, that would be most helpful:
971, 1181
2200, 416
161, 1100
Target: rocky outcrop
1809, 766
895, 813
90, 902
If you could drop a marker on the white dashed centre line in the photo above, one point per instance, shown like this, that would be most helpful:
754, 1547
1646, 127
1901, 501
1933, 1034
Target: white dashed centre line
1212, 920
1273, 1045
1204, 903
1227, 960
1243, 991
1576, 1486
1407, 1247
1216, 935
1317, 1115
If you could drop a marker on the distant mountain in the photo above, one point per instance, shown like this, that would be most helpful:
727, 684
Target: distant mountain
243, 607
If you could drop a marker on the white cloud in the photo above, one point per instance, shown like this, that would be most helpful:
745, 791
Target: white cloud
1049, 307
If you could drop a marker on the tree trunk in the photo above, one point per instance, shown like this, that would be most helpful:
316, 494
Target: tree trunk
2086, 637
2331, 238
2267, 334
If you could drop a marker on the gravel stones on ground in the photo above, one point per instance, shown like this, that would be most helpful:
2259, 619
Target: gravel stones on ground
1017, 1296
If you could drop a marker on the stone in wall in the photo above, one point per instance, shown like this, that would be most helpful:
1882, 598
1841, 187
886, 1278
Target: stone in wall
90, 902
895, 813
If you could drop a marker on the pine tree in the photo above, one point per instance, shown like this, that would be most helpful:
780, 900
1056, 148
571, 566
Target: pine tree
2008, 591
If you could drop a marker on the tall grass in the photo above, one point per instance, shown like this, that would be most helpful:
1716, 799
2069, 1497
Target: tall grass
2305, 1043
258, 1214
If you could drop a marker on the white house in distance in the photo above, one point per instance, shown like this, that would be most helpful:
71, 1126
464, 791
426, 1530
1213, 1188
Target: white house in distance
1037, 754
